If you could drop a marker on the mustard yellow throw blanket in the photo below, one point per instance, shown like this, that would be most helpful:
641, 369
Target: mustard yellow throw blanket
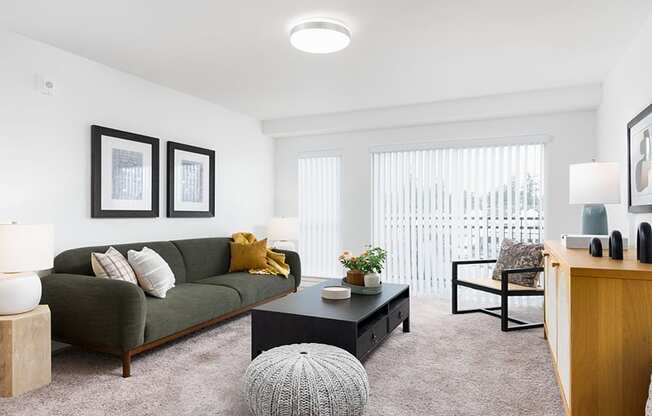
275, 261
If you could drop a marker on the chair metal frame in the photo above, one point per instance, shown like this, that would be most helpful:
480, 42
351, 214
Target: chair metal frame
504, 292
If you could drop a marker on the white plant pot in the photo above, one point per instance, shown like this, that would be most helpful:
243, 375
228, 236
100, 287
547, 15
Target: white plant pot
372, 280
19, 292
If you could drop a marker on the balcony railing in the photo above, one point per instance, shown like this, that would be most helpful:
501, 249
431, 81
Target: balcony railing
421, 247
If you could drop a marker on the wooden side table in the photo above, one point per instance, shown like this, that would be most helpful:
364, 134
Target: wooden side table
25, 351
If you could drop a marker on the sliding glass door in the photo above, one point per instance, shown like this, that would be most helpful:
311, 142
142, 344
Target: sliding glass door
319, 215
435, 205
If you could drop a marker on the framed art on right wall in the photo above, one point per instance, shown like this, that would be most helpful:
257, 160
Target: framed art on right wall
639, 161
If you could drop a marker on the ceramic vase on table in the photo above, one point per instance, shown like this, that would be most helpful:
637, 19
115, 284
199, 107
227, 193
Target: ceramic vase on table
372, 280
355, 277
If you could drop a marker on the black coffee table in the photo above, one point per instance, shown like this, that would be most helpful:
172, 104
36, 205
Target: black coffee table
357, 325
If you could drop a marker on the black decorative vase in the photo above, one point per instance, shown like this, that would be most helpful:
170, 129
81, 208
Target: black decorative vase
595, 248
616, 245
644, 243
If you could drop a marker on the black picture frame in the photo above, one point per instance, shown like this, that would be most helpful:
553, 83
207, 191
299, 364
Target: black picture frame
635, 208
172, 212
97, 132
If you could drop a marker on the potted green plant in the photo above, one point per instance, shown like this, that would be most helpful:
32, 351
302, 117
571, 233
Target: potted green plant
369, 263
375, 261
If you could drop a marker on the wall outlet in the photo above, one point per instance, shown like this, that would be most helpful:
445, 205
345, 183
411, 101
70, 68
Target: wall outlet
45, 85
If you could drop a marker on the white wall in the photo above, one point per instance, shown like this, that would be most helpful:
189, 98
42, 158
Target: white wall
45, 147
627, 90
573, 140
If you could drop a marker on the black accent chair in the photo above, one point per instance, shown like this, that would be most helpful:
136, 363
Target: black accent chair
502, 288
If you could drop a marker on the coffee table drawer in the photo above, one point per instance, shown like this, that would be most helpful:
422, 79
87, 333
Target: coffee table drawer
398, 313
372, 336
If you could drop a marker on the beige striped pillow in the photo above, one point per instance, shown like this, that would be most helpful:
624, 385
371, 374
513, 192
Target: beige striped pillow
113, 265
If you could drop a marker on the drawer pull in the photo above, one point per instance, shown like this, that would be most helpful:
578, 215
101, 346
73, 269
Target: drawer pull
373, 337
555, 264
400, 314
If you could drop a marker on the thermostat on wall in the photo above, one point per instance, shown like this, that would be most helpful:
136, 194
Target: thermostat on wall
44, 85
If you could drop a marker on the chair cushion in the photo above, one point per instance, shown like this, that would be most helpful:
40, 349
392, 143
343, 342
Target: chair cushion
187, 305
495, 284
253, 288
515, 255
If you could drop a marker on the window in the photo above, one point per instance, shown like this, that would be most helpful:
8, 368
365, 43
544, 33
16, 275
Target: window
435, 205
319, 215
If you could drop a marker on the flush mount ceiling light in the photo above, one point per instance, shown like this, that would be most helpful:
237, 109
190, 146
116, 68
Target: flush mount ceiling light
320, 36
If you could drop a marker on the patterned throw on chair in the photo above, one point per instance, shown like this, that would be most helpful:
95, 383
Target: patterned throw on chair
515, 255
306, 380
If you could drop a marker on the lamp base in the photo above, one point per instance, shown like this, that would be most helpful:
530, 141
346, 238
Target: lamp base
19, 292
284, 245
594, 220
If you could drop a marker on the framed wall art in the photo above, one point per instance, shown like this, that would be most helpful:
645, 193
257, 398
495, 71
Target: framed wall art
124, 174
639, 161
191, 181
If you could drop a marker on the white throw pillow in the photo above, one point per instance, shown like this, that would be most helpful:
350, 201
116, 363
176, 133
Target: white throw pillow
153, 273
112, 265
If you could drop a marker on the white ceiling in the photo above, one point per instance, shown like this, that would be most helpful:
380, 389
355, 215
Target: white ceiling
236, 53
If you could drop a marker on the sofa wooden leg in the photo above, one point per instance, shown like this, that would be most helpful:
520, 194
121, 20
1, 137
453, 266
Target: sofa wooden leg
126, 364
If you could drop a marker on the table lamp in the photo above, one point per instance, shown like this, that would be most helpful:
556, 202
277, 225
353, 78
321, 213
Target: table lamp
24, 249
594, 184
283, 231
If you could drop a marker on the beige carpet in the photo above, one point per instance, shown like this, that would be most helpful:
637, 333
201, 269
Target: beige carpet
448, 365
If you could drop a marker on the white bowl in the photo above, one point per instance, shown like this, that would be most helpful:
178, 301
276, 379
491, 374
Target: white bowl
335, 292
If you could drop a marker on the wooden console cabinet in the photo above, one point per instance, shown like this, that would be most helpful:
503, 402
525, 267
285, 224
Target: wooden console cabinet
598, 321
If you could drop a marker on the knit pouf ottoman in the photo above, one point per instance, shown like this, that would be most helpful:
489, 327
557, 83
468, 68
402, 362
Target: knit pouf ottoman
306, 380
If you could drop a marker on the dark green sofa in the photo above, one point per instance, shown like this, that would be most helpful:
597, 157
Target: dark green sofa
117, 317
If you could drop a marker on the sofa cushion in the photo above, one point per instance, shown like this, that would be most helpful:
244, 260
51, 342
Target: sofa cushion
252, 288
204, 257
186, 305
78, 260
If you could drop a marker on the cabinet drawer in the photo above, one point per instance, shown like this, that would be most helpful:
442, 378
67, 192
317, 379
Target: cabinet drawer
372, 336
398, 313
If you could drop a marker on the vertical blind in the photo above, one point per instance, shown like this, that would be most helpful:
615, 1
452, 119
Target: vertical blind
432, 206
319, 215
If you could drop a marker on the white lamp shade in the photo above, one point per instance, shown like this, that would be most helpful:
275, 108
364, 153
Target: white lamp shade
26, 248
594, 183
283, 228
